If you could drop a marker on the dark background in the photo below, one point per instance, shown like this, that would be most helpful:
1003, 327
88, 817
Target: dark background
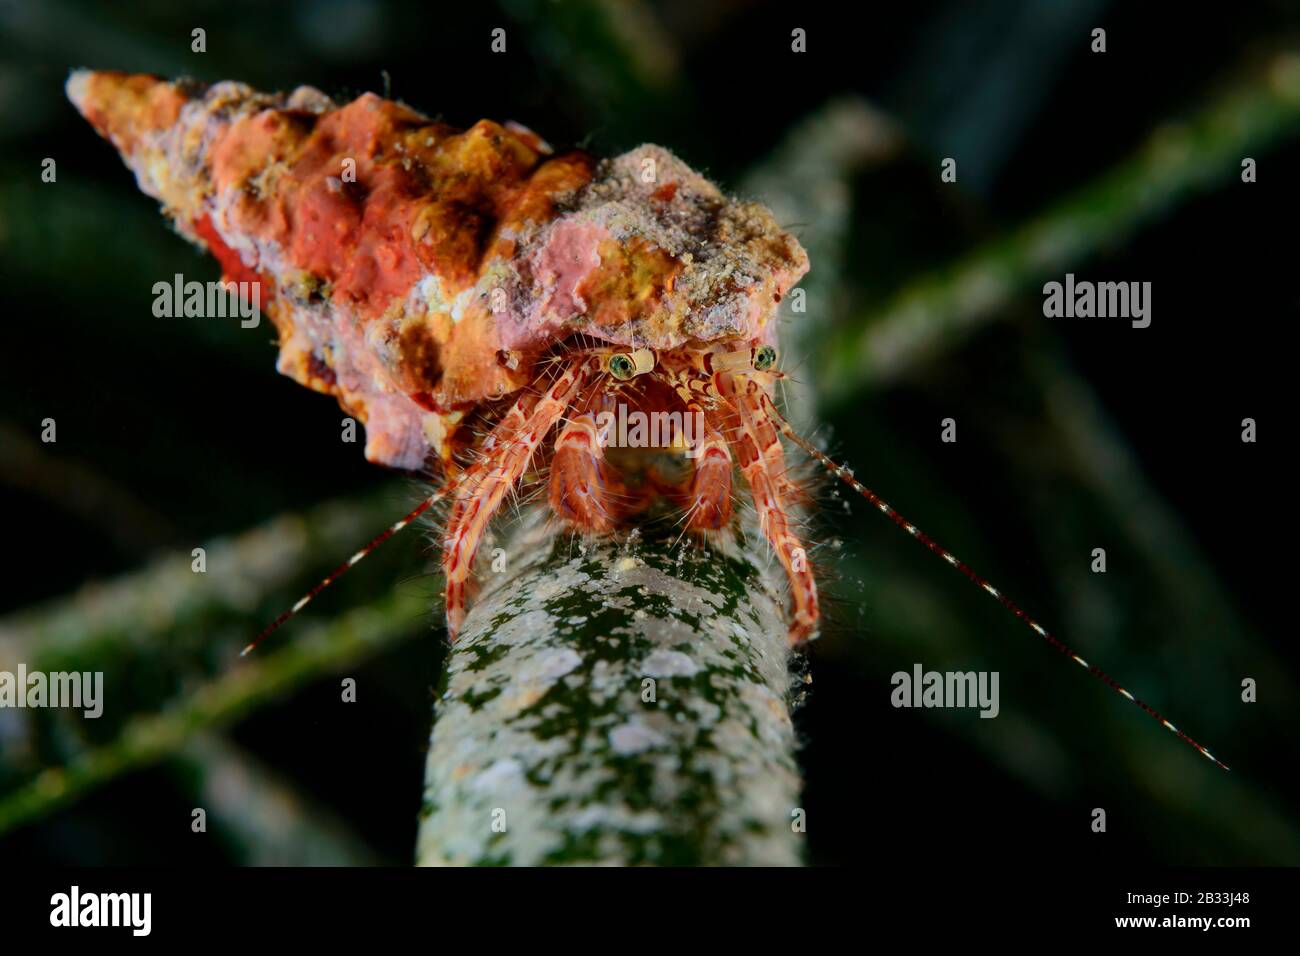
172, 432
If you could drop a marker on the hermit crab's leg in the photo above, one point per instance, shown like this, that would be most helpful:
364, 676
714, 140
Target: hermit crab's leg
762, 462
489, 450
506, 463
708, 504
580, 483
710, 494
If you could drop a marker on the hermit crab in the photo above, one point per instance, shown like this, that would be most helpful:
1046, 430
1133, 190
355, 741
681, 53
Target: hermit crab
485, 305
481, 303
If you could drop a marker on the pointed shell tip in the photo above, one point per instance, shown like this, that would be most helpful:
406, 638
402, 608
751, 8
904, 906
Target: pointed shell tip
78, 86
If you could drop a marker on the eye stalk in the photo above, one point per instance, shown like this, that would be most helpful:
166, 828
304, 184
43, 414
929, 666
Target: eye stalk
764, 358
627, 365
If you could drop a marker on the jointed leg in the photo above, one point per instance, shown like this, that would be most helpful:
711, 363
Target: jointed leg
709, 507
708, 498
580, 481
762, 461
508, 451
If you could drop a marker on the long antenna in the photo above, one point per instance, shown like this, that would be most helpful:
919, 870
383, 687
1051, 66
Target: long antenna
338, 572
843, 473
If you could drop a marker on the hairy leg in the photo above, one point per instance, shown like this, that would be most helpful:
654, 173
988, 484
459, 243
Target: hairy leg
709, 505
508, 451
580, 483
762, 462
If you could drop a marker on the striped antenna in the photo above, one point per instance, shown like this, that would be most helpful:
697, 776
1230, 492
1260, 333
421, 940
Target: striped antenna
356, 559
843, 473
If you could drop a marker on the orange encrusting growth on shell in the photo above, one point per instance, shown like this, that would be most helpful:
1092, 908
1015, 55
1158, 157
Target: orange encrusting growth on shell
357, 204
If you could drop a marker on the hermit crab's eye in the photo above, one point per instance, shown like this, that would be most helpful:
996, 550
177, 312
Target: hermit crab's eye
625, 365
621, 366
764, 358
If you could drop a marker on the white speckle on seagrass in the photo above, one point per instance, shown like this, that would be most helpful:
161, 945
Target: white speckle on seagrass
550, 665
665, 663
634, 737
499, 775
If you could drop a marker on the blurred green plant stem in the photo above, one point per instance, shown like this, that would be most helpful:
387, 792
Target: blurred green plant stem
351, 638
934, 313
